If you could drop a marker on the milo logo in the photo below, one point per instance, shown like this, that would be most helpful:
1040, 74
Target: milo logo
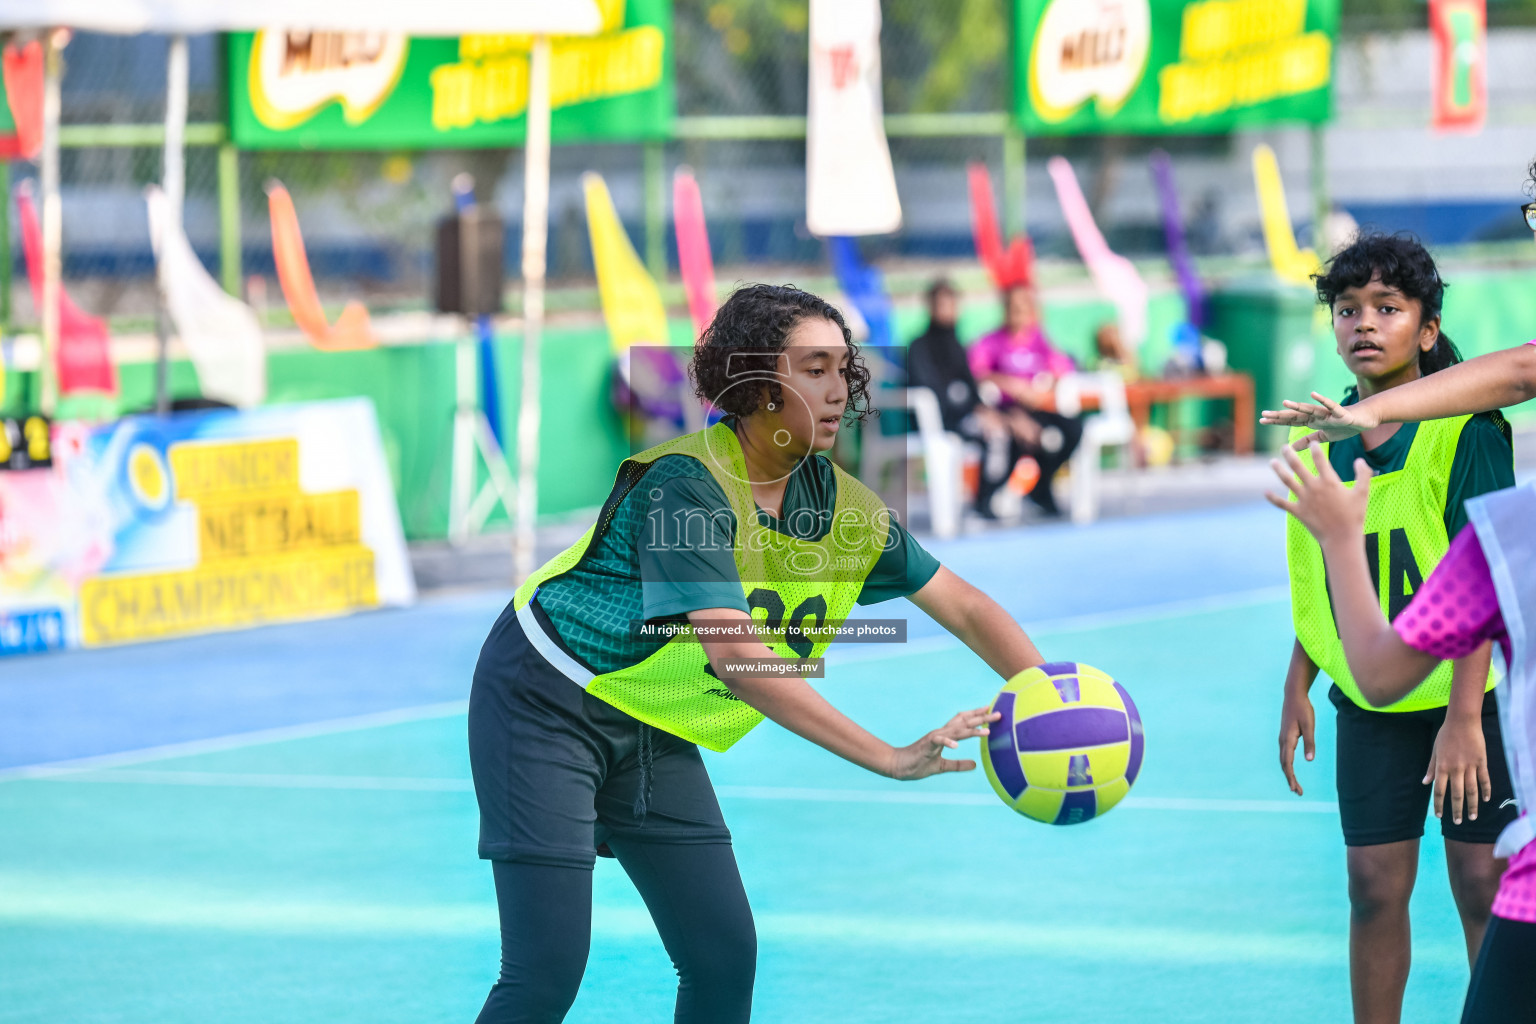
294, 74
1088, 50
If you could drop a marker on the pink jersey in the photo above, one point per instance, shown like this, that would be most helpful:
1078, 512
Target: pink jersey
1451, 615
1516, 900
1457, 608
1025, 355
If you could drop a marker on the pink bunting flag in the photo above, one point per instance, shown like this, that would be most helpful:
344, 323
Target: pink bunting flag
693, 255
84, 357
1116, 277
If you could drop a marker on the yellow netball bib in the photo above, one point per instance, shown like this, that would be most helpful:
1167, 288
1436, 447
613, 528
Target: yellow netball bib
1405, 539
793, 586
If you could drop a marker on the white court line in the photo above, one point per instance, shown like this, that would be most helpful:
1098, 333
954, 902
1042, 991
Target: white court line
235, 741
1148, 803
269, 780
870, 652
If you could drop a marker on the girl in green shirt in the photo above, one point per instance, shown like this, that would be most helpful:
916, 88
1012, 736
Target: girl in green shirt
622, 655
1385, 294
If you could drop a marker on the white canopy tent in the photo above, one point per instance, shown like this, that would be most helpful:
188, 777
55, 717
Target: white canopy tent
188, 17
179, 18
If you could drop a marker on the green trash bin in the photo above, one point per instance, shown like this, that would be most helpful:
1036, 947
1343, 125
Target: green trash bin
1267, 327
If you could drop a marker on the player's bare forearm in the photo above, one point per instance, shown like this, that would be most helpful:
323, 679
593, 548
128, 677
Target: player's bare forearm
1469, 681
1492, 381
795, 704
1302, 672
787, 699
979, 622
1383, 666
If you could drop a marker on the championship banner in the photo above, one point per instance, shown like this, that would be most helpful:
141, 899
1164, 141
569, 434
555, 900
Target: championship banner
381, 90
1142, 67
1459, 80
156, 527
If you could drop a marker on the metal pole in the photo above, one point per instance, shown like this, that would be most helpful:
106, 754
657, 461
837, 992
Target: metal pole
230, 270
1322, 205
656, 209
173, 179
1013, 180
53, 218
535, 232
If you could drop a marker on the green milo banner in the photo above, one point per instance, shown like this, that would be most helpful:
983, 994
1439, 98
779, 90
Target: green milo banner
382, 90
1172, 66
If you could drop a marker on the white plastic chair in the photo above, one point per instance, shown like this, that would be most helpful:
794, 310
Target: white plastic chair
942, 452
1110, 427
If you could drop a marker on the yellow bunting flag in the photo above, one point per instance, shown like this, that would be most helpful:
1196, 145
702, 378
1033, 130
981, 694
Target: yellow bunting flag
631, 301
1290, 262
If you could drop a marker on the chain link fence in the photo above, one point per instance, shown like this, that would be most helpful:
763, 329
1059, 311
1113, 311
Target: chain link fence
368, 217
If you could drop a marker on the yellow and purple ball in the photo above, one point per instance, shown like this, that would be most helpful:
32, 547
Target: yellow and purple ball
1069, 744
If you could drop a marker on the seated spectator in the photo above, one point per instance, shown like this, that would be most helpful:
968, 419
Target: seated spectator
1111, 351
1023, 365
936, 360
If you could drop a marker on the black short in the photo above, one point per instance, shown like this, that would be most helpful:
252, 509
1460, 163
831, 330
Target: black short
557, 771
1382, 757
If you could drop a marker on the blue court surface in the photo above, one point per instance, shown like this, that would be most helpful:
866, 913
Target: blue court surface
278, 826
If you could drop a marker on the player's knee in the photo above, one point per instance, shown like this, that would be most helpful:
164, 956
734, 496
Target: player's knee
523, 997
1474, 883
724, 965
1375, 889
538, 982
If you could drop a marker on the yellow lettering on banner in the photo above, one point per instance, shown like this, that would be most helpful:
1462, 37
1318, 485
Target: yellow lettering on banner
453, 90
1217, 27
280, 524
490, 82
589, 69
221, 469
229, 595
1289, 68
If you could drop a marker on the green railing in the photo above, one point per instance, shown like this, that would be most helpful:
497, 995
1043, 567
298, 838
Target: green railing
733, 128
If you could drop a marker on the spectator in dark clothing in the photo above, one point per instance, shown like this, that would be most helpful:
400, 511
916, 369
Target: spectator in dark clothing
936, 360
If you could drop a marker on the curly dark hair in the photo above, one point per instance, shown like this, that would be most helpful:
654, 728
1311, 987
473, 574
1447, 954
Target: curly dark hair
1530, 180
743, 343
1403, 263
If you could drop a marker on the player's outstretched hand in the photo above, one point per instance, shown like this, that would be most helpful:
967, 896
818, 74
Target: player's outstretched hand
1325, 506
926, 756
1329, 420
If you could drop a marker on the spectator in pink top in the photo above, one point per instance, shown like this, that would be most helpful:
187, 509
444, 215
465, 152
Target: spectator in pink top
1017, 356
1022, 364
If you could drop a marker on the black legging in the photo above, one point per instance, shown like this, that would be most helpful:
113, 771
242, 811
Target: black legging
1050, 461
1503, 989
695, 896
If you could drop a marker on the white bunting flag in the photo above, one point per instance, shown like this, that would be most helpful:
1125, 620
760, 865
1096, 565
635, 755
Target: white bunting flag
220, 333
850, 186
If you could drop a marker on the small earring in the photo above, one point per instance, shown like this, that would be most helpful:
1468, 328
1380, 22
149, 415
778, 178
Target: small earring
771, 407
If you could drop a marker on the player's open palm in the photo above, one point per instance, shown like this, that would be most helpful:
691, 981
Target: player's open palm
1326, 506
1329, 420
926, 756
